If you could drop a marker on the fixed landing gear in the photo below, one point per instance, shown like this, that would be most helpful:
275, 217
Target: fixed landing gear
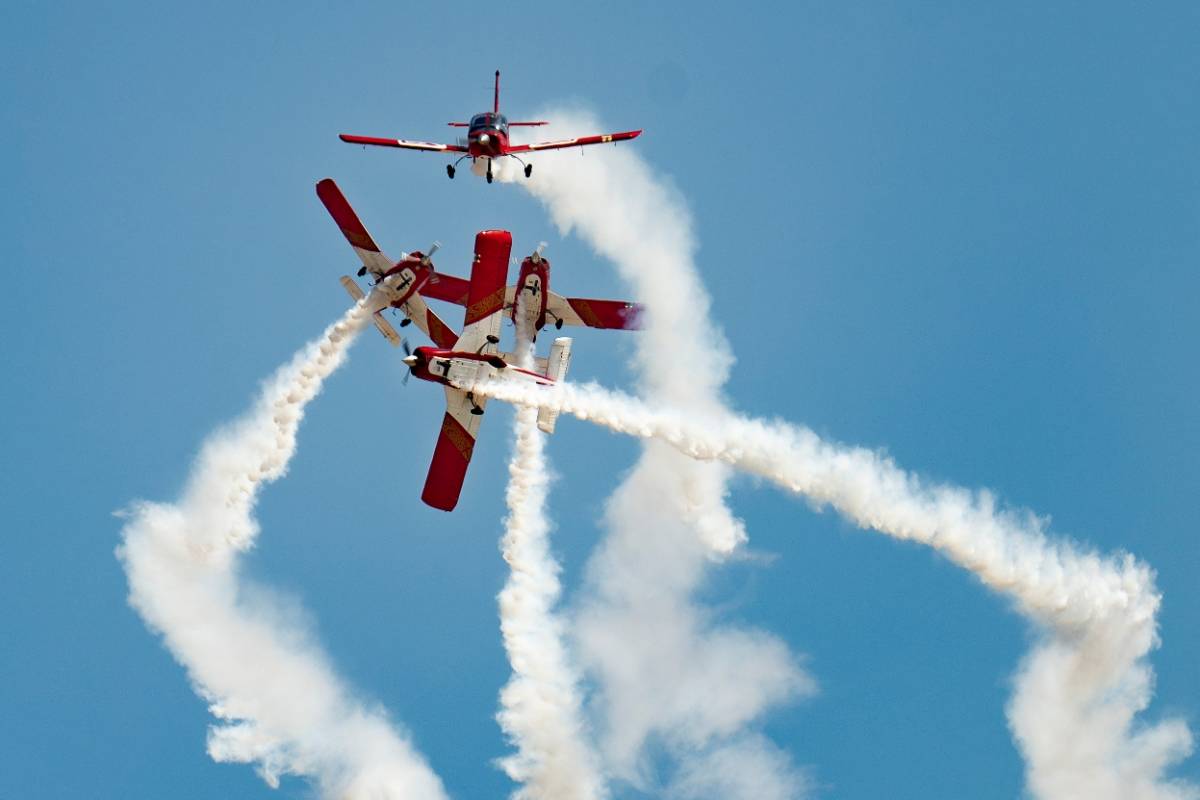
362, 271
450, 171
528, 170
475, 409
489, 172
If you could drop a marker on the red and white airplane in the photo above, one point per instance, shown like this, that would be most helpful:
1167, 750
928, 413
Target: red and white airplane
460, 361
541, 304
487, 137
396, 283
475, 357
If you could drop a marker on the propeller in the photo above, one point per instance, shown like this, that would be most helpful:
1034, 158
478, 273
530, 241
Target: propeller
433, 248
537, 254
408, 359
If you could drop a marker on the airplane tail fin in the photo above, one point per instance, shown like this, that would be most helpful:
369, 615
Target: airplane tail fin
556, 370
496, 96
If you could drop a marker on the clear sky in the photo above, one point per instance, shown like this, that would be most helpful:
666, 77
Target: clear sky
966, 233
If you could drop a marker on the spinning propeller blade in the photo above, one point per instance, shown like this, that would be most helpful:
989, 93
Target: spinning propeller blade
433, 248
407, 359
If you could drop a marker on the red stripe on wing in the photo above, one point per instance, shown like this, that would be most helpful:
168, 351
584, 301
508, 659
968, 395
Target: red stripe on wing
339, 208
448, 469
402, 143
447, 288
489, 273
607, 313
440, 332
579, 142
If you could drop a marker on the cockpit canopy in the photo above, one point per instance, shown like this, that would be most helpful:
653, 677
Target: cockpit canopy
489, 120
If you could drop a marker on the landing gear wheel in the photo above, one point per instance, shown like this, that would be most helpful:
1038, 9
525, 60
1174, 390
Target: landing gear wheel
450, 171
528, 170
489, 176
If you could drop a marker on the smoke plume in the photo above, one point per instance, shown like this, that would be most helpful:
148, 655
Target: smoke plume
668, 673
280, 704
1078, 693
541, 711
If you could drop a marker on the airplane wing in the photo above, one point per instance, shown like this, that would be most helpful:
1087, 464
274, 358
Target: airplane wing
485, 296
593, 313
352, 228
377, 263
403, 143
448, 288
452, 453
424, 317
382, 324
481, 334
578, 142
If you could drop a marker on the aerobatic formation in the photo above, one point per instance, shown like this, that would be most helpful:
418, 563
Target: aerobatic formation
666, 684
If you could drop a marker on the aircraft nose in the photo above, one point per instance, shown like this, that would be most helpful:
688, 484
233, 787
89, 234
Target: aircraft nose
410, 360
484, 138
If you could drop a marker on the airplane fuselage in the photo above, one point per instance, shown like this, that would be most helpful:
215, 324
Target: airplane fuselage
533, 283
463, 370
487, 136
399, 283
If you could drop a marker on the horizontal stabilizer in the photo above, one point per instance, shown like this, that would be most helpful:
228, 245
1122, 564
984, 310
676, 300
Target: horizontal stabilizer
351, 287
386, 328
382, 324
556, 370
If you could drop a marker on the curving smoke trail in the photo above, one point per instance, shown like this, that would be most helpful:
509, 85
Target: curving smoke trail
668, 674
541, 711
281, 705
1077, 694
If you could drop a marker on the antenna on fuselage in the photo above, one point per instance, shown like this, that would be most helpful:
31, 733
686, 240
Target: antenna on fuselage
496, 96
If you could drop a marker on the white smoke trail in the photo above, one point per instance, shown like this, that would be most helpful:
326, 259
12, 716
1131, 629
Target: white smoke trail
1079, 692
665, 669
280, 702
541, 711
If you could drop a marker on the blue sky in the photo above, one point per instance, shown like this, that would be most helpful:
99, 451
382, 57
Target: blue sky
968, 236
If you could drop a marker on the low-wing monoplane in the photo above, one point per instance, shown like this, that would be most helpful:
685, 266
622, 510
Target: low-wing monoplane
487, 138
474, 357
456, 361
542, 306
460, 362
395, 283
